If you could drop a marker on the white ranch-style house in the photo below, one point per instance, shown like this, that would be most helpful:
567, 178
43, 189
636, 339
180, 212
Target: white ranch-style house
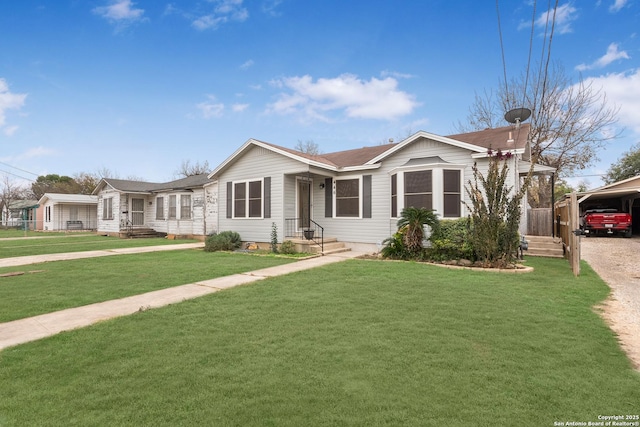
356, 196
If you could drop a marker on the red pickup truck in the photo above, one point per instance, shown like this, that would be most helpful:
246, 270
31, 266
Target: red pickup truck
609, 221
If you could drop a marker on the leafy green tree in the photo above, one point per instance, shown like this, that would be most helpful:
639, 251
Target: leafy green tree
53, 183
411, 226
627, 166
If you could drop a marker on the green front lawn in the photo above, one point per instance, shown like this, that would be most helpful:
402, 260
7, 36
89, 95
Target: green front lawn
75, 243
53, 286
14, 233
356, 343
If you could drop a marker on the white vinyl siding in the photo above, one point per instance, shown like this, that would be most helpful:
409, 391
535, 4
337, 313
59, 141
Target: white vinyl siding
259, 162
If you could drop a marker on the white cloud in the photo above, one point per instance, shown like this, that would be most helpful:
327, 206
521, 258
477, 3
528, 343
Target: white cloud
211, 109
373, 99
9, 101
208, 21
223, 12
564, 16
396, 74
617, 5
623, 91
37, 152
613, 54
10, 130
270, 7
248, 64
238, 108
119, 11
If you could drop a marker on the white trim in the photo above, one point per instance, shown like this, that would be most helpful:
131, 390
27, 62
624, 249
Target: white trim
233, 198
427, 135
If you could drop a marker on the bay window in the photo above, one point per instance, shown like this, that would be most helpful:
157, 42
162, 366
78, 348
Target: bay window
434, 188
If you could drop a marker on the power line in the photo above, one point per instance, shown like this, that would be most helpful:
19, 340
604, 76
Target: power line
504, 63
21, 170
18, 176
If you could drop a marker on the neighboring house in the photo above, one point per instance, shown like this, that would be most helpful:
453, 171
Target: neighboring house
356, 195
185, 207
21, 214
62, 212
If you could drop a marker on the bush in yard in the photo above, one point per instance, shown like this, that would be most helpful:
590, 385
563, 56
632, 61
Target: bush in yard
394, 247
451, 241
495, 213
224, 241
288, 247
274, 238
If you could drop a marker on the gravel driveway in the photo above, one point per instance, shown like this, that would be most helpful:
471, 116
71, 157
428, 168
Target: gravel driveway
617, 262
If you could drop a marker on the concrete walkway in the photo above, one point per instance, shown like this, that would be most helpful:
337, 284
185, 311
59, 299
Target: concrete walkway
35, 259
37, 327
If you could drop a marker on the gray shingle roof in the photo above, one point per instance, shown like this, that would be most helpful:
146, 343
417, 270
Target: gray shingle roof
130, 186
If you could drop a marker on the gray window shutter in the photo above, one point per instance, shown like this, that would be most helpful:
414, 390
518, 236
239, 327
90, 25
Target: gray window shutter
328, 197
267, 197
366, 196
229, 199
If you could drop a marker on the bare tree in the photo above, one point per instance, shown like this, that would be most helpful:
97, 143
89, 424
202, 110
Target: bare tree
308, 147
9, 193
87, 182
570, 122
188, 169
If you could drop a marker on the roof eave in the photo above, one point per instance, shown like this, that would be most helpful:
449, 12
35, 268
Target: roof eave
423, 134
485, 153
224, 165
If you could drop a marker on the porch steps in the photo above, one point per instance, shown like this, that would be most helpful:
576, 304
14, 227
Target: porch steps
331, 246
546, 246
141, 233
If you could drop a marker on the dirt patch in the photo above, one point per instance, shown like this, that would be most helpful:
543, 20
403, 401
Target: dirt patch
615, 259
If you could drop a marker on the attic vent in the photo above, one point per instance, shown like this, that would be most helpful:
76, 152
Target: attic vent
424, 161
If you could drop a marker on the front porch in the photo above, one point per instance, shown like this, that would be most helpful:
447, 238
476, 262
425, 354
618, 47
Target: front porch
308, 236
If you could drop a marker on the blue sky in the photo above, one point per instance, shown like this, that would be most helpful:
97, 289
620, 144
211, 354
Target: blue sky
137, 87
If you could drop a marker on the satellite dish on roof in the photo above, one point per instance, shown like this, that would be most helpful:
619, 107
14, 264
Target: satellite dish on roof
517, 115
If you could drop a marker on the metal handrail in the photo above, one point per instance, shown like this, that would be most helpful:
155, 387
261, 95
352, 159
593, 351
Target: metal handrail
314, 232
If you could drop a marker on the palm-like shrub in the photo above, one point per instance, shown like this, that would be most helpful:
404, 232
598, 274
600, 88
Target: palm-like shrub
411, 226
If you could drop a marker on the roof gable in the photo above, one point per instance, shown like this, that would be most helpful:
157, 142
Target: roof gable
504, 138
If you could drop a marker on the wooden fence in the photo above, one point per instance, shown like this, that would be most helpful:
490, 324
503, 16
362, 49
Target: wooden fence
567, 222
540, 222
